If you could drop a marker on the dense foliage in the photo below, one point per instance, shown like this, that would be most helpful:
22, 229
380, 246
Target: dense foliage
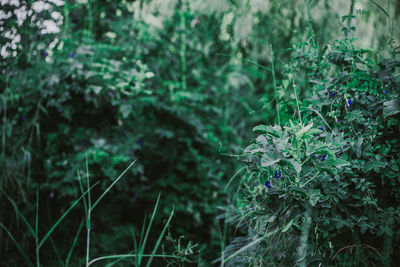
171, 89
325, 187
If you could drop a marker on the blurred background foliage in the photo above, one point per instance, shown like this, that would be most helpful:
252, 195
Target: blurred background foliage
161, 81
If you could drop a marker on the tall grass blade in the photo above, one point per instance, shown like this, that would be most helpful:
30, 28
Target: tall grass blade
17, 245
132, 256
37, 227
63, 216
143, 246
74, 244
244, 248
109, 188
234, 176
248, 61
56, 251
21, 215
159, 239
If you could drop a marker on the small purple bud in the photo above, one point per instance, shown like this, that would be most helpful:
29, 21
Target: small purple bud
138, 141
332, 93
322, 128
312, 156
324, 157
268, 184
72, 55
278, 175
51, 195
45, 53
349, 102
386, 91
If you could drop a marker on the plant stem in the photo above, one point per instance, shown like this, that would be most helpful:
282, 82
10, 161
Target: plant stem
37, 227
303, 247
66, 18
183, 45
88, 224
295, 94
274, 80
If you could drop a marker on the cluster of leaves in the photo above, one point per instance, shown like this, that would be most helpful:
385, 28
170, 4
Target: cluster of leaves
325, 189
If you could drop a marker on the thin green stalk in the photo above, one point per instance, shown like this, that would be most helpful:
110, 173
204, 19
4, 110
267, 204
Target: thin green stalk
17, 245
297, 98
56, 251
134, 256
88, 224
3, 147
73, 244
37, 227
349, 18
148, 229
66, 18
90, 18
63, 216
310, 180
183, 45
274, 80
153, 253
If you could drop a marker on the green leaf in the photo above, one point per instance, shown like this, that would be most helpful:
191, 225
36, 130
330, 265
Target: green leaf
304, 130
391, 107
274, 131
270, 158
287, 227
337, 163
296, 165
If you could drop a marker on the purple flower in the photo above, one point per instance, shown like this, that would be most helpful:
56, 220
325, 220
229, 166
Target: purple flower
322, 128
312, 156
278, 175
45, 53
72, 55
268, 184
386, 91
349, 102
51, 195
332, 93
324, 157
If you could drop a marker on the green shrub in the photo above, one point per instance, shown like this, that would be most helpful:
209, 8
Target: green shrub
325, 188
